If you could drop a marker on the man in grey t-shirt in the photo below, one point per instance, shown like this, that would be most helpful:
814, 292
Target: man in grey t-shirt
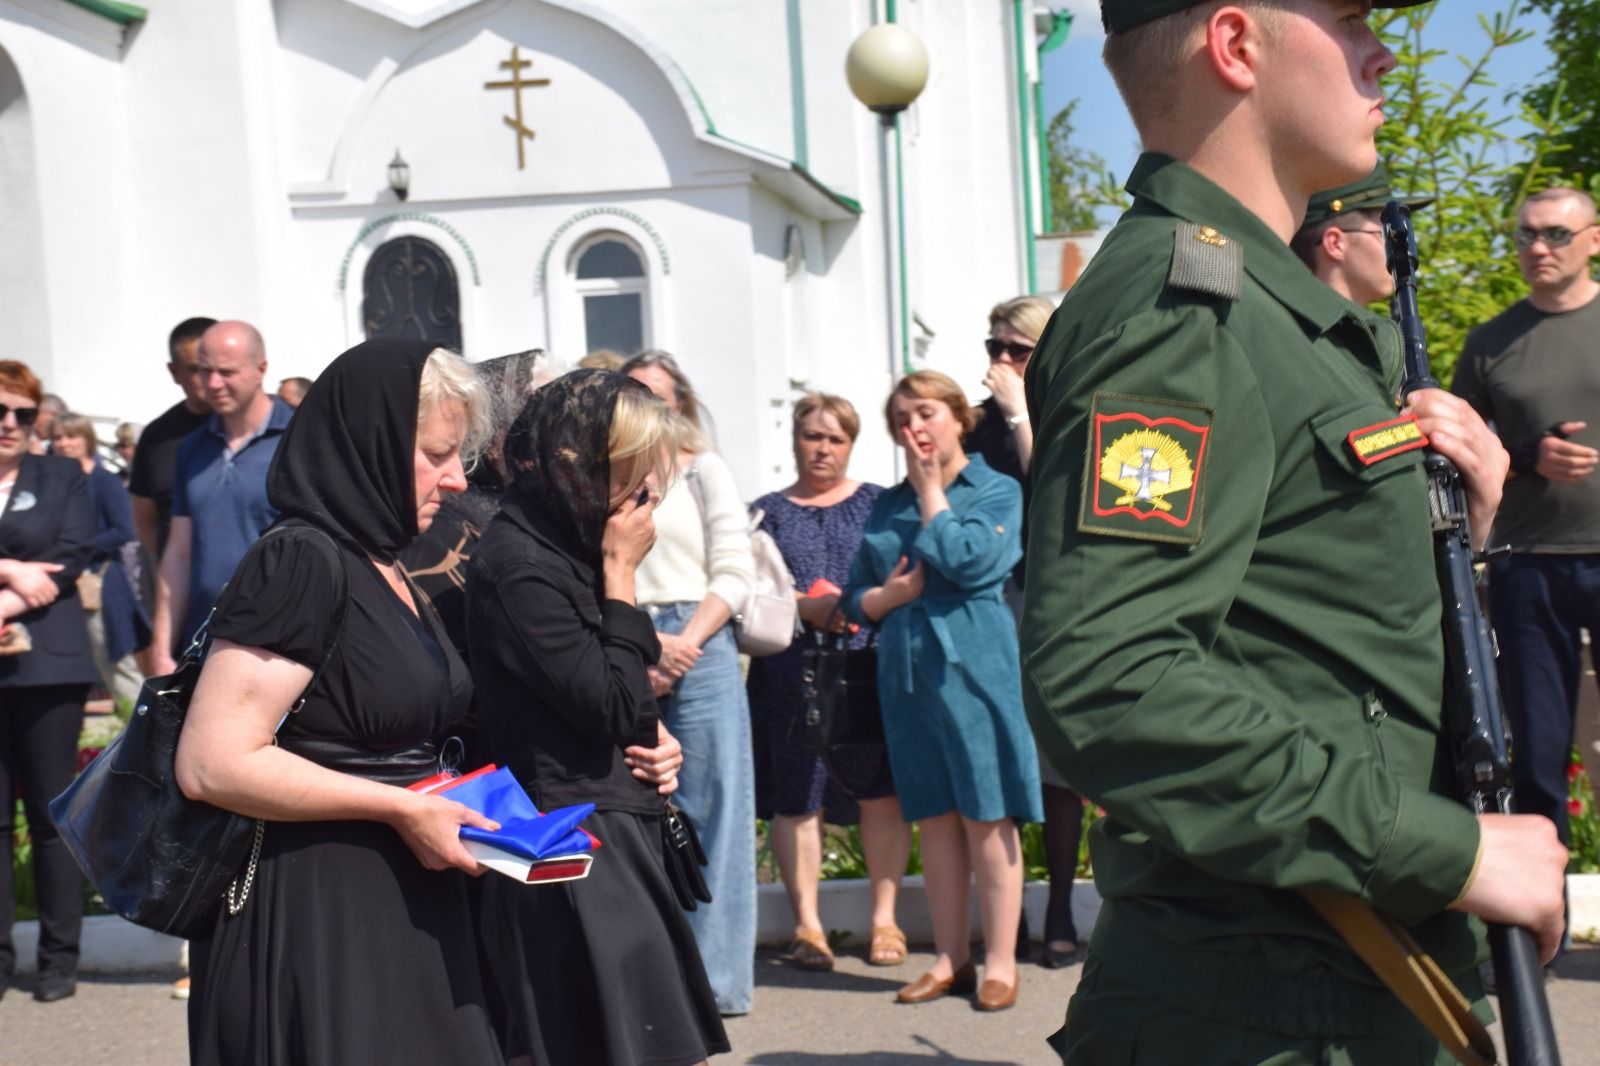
1534, 371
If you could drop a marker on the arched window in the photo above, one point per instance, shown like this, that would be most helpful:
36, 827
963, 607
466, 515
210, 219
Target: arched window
409, 290
613, 291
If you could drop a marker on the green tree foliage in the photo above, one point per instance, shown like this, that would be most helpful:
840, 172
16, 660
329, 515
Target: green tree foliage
1572, 85
1441, 140
1080, 181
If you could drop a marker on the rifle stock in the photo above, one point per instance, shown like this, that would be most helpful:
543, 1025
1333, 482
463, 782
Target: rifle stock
1473, 711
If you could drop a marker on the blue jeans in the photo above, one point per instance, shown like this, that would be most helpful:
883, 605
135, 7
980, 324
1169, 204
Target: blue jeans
1537, 604
709, 714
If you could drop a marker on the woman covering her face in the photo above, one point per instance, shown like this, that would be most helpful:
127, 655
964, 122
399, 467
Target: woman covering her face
355, 943
936, 553
602, 970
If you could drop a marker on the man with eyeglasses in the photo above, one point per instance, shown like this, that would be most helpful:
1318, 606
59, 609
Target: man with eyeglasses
1534, 372
1341, 239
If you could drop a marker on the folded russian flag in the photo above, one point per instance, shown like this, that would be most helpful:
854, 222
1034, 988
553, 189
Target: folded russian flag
529, 846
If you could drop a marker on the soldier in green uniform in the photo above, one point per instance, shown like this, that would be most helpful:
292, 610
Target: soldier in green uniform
1341, 237
1231, 638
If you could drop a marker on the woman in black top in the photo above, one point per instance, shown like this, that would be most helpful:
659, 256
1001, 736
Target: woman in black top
46, 539
602, 970
355, 944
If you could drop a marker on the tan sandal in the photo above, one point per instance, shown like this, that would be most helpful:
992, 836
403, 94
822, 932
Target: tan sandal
810, 951
888, 946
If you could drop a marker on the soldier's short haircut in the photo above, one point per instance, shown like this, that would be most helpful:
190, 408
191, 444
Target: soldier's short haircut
1142, 60
1308, 239
1562, 192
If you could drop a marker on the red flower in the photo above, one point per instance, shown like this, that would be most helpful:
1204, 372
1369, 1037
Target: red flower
1574, 770
1575, 806
86, 756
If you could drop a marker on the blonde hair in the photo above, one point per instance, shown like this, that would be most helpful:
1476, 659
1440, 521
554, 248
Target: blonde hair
643, 425
71, 425
1028, 315
1144, 60
932, 385
446, 377
843, 411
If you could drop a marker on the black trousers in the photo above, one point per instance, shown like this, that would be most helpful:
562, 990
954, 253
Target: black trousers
1537, 604
39, 727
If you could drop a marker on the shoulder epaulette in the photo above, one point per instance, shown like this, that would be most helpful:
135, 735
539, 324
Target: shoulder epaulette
1206, 261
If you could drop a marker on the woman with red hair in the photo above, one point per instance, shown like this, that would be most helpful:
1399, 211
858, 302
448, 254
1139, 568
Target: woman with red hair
46, 539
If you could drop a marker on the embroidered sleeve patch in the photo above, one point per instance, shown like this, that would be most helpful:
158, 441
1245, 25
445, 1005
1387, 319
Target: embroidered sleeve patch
1144, 464
1385, 439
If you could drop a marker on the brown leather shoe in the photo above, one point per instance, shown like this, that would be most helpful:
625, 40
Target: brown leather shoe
997, 995
929, 987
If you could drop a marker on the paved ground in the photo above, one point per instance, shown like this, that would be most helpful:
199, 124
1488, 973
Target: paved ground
847, 1017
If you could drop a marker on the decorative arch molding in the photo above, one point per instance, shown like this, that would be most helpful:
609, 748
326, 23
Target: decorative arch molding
474, 307
557, 292
410, 216
336, 183
594, 212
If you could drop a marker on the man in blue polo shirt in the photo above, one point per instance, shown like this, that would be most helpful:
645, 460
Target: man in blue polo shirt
219, 499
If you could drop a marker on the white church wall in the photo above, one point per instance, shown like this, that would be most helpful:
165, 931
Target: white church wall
75, 124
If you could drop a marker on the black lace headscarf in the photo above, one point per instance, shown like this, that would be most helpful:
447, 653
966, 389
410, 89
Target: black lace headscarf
558, 455
347, 462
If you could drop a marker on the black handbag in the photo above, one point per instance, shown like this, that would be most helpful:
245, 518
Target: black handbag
839, 698
157, 858
684, 857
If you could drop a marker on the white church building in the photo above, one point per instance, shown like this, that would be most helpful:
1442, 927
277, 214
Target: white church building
692, 175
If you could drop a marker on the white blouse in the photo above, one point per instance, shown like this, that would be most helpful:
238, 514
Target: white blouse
681, 568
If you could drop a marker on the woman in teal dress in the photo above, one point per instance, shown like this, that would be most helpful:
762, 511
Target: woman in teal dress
929, 574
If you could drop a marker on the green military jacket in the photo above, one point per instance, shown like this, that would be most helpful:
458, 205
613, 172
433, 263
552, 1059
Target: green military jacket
1232, 630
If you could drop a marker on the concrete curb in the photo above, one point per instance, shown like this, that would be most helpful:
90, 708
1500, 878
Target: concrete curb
111, 945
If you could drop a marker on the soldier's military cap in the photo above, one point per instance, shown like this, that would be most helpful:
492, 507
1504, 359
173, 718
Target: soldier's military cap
1119, 16
1370, 193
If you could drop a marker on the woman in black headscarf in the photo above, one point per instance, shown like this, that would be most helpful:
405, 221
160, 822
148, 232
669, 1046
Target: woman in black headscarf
354, 942
603, 970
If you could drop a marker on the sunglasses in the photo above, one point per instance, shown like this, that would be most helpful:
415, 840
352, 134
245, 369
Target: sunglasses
996, 348
26, 416
1552, 236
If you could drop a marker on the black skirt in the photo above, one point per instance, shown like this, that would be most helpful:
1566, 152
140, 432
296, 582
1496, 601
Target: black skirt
348, 951
603, 970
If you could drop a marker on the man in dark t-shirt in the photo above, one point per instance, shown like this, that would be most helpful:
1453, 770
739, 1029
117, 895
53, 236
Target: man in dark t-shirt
150, 483
1534, 371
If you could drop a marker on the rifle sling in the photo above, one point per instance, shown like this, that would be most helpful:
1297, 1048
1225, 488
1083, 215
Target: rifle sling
1410, 973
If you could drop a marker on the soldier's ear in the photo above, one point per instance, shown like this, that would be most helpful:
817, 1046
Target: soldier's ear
1233, 46
1335, 243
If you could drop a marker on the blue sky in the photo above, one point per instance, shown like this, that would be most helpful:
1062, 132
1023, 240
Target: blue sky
1075, 71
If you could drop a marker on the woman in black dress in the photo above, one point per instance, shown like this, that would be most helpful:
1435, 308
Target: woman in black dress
602, 970
355, 943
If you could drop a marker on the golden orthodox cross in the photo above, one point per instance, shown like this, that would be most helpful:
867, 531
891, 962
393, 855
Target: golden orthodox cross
516, 83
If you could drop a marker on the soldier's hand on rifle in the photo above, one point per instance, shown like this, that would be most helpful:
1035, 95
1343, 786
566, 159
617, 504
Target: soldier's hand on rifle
1560, 459
1458, 433
1520, 878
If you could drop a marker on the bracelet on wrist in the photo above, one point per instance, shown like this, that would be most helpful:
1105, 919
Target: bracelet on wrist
1016, 420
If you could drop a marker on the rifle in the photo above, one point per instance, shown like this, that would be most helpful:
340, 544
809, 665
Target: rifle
1472, 710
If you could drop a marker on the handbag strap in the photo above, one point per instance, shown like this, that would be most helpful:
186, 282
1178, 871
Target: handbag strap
691, 481
199, 643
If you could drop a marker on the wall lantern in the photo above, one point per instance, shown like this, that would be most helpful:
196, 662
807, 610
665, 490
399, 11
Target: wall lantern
400, 176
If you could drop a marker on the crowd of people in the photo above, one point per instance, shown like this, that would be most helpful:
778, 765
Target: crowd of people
1166, 568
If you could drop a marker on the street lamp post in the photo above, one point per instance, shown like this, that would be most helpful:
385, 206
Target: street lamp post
887, 68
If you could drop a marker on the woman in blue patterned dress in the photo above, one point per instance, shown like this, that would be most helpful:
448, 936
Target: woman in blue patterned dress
933, 561
817, 525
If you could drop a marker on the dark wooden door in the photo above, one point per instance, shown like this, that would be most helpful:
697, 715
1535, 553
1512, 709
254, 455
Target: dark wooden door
410, 291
